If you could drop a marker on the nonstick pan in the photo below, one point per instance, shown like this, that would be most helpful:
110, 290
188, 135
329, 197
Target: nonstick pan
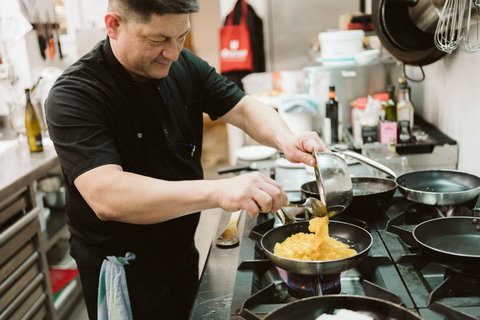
313, 307
369, 193
431, 187
452, 242
359, 239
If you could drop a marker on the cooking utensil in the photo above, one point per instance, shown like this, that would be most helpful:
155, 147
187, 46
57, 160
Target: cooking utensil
439, 187
368, 192
449, 31
358, 238
40, 36
451, 242
244, 167
333, 181
229, 236
401, 35
284, 216
49, 37
56, 27
313, 307
431, 187
314, 205
318, 179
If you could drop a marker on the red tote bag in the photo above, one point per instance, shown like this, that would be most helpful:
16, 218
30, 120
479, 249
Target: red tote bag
235, 46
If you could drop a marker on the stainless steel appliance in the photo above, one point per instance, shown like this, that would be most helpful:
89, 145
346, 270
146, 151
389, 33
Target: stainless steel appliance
240, 283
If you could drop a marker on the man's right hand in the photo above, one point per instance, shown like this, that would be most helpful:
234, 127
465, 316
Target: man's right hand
252, 192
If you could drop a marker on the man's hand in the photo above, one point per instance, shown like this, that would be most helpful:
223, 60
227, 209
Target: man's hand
299, 147
252, 192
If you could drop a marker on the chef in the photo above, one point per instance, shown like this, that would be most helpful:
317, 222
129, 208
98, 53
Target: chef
126, 121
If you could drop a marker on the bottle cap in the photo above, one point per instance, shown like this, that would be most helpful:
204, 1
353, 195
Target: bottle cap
332, 88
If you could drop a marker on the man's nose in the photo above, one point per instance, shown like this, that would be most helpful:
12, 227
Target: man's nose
172, 51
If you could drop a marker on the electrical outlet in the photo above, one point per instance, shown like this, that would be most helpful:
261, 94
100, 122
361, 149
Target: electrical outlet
4, 71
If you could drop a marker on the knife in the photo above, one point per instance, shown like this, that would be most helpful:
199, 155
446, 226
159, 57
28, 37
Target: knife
41, 39
49, 36
56, 27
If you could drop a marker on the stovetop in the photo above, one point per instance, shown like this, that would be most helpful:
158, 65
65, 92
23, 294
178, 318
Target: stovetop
240, 283
394, 270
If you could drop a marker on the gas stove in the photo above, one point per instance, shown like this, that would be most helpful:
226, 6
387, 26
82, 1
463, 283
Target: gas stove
394, 270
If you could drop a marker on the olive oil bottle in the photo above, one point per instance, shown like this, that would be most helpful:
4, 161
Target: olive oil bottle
32, 126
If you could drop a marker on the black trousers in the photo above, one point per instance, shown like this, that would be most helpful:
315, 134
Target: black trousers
157, 290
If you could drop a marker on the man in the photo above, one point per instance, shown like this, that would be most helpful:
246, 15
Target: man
126, 121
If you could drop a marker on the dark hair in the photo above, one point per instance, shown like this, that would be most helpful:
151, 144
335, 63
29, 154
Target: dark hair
142, 10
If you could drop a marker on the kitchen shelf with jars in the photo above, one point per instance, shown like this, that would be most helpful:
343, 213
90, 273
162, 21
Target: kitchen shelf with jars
38, 278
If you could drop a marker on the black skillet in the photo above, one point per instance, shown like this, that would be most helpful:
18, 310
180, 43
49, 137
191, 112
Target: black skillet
313, 307
369, 193
359, 239
453, 242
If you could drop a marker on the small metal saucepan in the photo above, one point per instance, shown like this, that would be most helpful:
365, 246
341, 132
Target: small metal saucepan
313, 307
359, 239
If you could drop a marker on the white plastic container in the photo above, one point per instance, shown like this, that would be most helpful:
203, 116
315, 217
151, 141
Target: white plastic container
340, 47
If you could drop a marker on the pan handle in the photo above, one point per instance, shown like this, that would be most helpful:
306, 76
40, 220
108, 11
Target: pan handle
367, 161
476, 210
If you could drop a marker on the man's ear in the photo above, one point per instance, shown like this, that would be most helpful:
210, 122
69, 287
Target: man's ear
112, 23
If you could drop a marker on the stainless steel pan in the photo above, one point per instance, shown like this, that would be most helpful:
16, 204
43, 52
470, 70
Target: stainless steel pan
360, 239
431, 187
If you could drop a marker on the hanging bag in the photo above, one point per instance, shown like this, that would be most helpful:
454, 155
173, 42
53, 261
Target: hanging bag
235, 46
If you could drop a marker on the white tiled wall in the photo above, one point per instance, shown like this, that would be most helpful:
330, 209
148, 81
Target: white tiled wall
451, 101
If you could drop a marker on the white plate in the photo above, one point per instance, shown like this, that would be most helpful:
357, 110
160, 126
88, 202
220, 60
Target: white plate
251, 153
284, 163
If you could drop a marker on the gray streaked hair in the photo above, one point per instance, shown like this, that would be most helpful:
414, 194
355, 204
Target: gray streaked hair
142, 10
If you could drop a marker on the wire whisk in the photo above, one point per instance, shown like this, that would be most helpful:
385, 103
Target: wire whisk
449, 31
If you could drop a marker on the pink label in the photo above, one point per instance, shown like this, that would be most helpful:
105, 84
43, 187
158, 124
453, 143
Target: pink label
388, 130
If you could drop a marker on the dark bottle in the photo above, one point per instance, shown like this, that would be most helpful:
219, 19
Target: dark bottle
390, 105
332, 114
32, 126
404, 113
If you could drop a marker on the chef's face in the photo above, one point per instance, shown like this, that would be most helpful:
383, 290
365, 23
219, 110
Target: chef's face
148, 50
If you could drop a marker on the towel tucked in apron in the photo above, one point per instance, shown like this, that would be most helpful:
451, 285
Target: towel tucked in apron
113, 299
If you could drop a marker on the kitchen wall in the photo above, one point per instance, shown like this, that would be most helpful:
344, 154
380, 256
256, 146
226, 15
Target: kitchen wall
451, 101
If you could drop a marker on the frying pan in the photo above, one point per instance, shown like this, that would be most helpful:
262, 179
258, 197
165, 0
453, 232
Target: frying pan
345, 232
431, 187
367, 191
313, 307
452, 242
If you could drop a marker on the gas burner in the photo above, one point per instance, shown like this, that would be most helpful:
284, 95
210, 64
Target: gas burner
416, 213
463, 283
303, 286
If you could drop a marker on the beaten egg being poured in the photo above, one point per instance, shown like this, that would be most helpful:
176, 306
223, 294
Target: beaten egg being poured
316, 246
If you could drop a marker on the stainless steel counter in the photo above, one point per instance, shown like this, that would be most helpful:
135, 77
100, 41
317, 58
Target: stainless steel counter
19, 166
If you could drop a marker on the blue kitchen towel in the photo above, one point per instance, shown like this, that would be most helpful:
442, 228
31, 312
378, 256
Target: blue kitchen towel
113, 300
296, 103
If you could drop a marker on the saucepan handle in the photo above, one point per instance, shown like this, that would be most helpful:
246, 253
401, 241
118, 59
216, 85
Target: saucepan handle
367, 161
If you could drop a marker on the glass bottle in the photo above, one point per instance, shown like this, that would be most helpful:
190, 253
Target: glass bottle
332, 115
390, 105
404, 113
32, 126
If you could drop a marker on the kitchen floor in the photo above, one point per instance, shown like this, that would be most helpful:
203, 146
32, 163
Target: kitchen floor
214, 155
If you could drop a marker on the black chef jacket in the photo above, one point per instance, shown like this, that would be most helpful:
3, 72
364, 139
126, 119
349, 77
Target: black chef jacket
98, 115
